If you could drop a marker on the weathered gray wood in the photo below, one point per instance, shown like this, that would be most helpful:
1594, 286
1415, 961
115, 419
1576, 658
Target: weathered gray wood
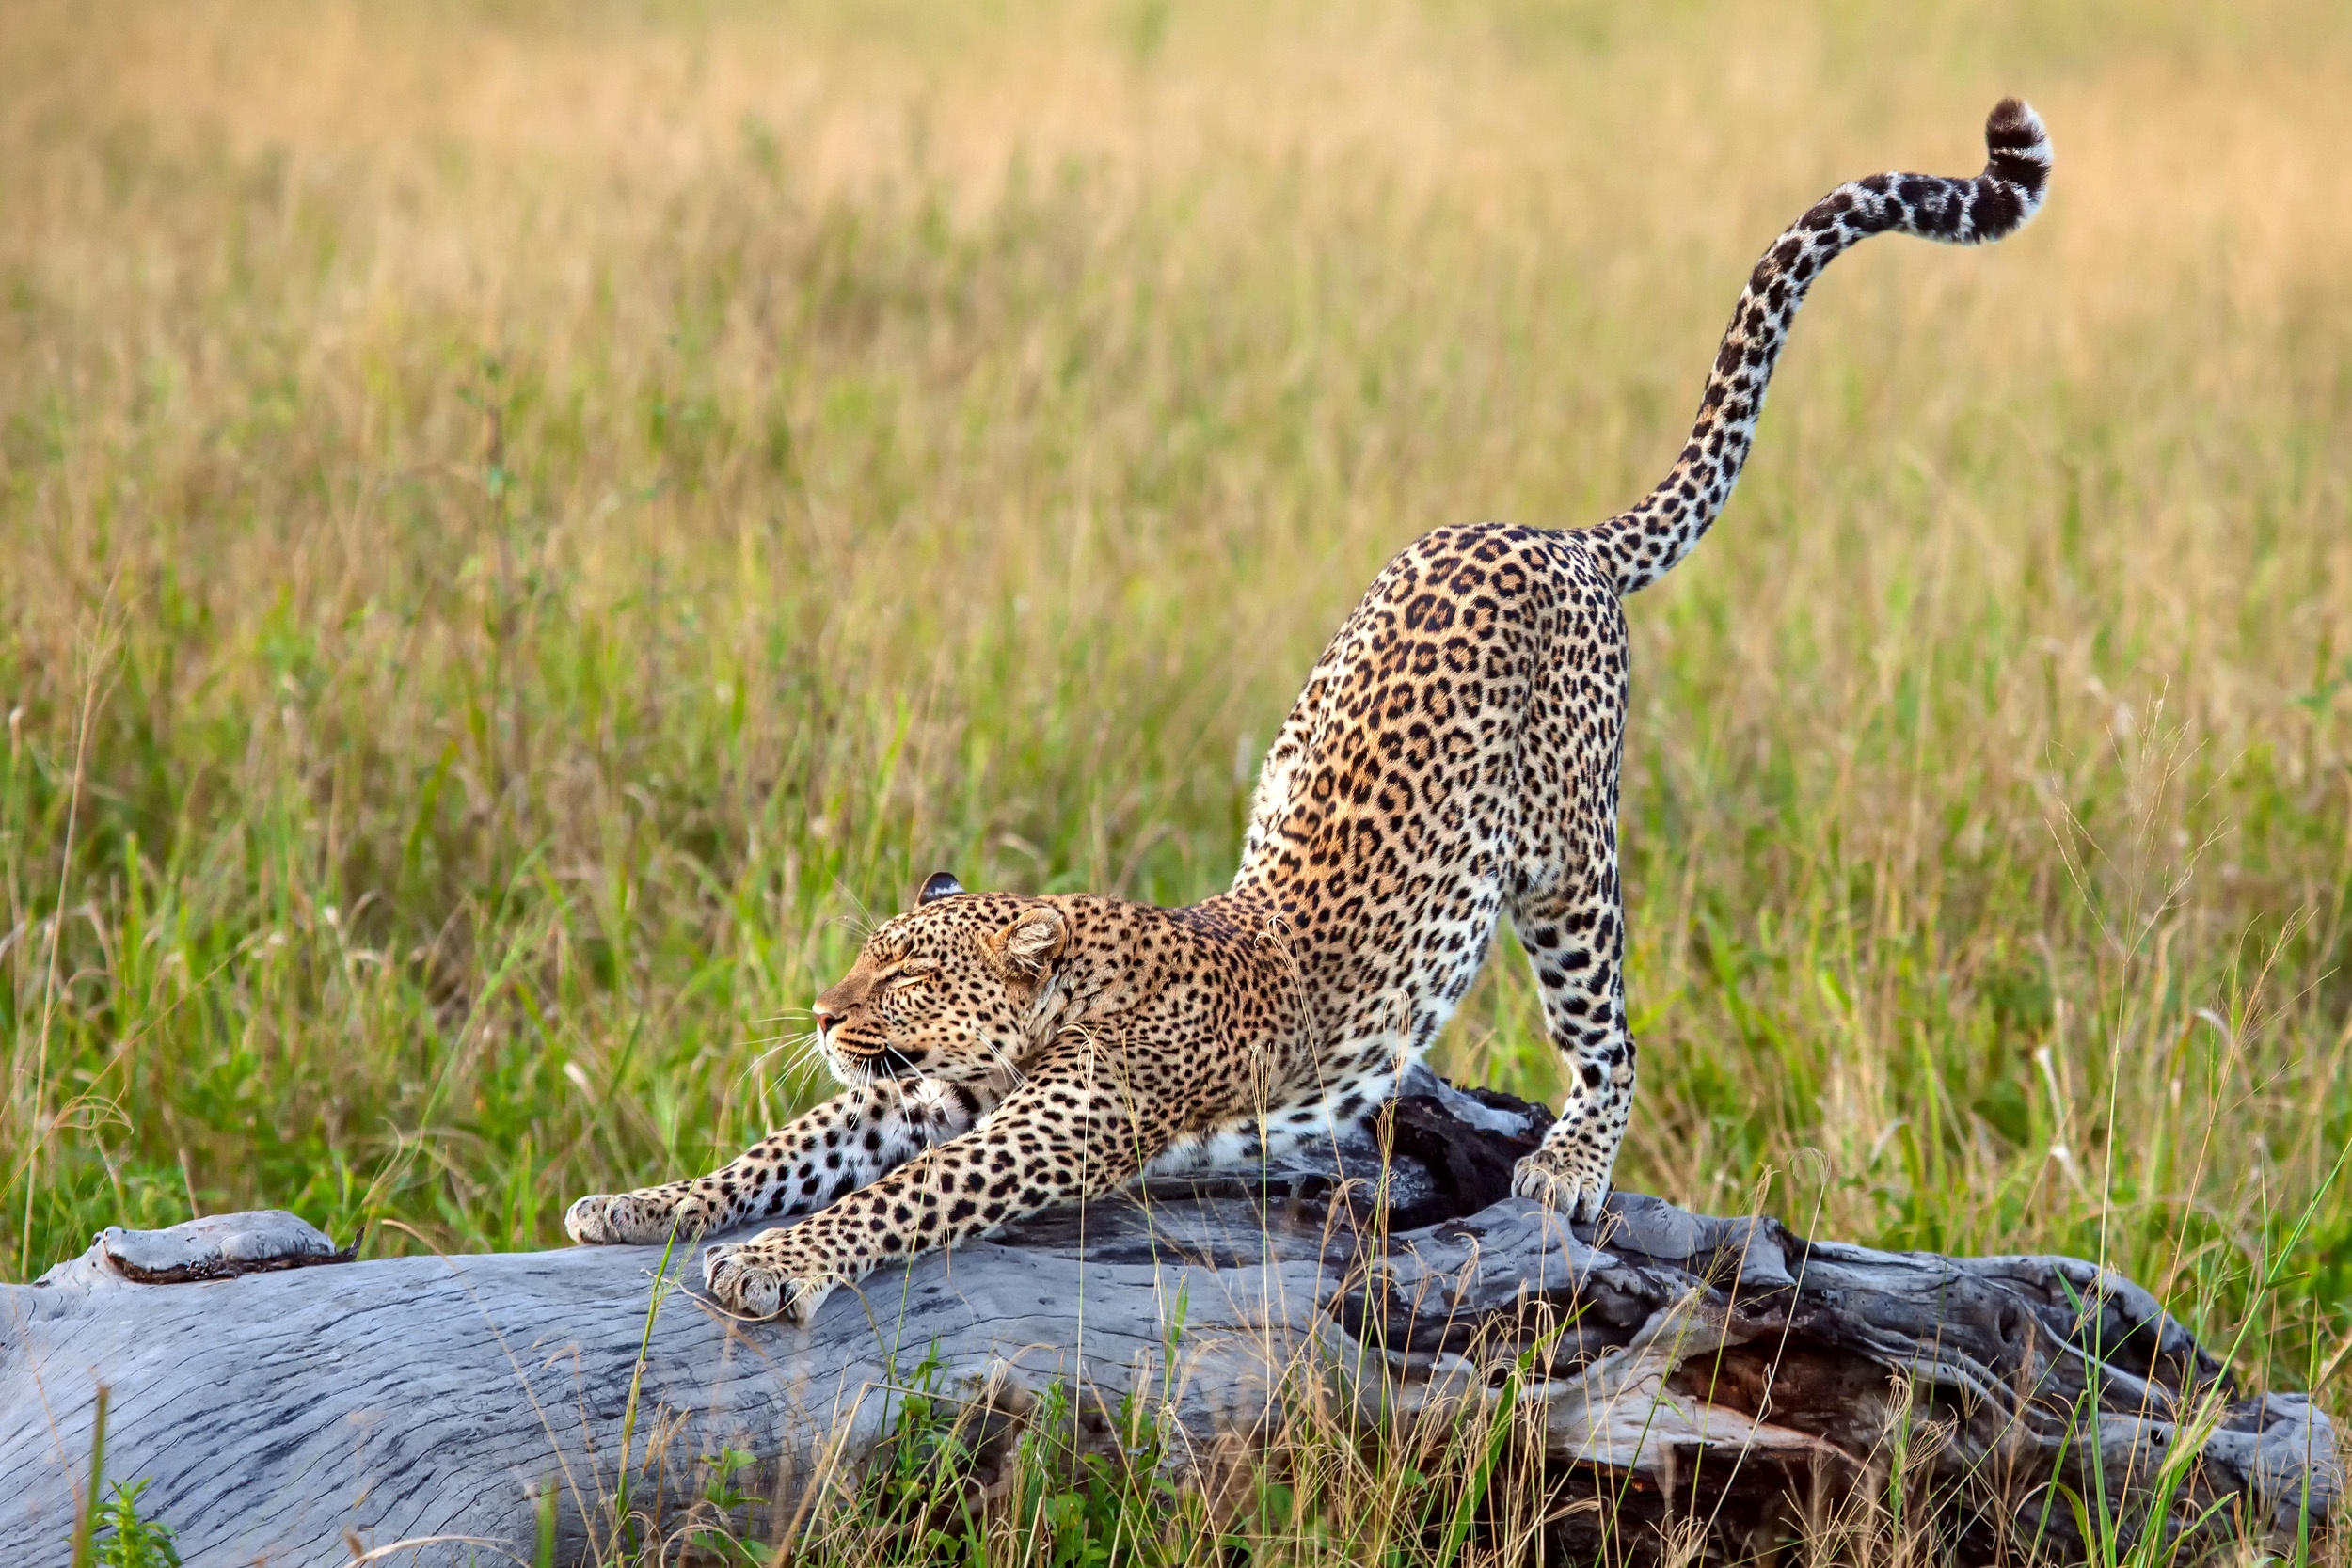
218, 1246
279, 1415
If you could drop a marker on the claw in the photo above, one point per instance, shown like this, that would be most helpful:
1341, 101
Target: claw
1580, 1193
755, 1289
807, 1296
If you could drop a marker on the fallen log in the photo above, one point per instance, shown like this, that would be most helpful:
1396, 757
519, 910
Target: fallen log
286, 1405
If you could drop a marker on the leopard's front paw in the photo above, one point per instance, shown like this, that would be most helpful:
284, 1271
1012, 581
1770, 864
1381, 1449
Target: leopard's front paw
760, 1278
1564, 1176
635, 1219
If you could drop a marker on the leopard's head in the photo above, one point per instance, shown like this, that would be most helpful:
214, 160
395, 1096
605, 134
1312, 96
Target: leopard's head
949, 990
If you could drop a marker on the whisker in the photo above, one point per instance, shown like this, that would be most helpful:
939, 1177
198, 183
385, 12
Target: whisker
865, 915
1020, 1079
775, 1043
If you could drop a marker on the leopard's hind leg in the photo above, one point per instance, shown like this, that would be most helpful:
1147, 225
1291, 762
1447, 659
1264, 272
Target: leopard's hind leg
1575, 941
1565, 902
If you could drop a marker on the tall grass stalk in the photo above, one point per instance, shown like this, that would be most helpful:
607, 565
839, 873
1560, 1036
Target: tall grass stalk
85, 1517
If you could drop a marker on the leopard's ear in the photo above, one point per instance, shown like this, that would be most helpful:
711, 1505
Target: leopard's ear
939, 884
1022, 951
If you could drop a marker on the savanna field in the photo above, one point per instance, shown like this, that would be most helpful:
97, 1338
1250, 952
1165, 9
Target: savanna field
522, 526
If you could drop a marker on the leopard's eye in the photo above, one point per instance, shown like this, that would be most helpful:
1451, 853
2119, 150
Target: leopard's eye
913, 972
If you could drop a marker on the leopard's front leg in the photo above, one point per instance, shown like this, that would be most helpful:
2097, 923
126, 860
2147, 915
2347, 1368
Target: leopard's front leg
843, 1143
1060, 1137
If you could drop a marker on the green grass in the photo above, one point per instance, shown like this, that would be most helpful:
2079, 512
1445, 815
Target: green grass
523, 525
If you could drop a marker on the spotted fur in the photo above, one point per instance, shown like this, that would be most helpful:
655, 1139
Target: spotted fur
1454, 759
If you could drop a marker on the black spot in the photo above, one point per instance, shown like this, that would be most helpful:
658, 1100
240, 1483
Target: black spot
2028, 174
1994, 211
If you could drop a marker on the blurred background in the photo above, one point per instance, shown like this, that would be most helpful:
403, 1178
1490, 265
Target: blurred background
522, 525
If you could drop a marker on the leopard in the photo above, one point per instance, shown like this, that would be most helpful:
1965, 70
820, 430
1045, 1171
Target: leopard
1452, 760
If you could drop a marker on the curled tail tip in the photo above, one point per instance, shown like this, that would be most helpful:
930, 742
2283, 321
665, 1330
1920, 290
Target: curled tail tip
2012, 130
2017, 172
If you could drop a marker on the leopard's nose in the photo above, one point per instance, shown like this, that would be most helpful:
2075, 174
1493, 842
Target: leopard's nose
826, 1023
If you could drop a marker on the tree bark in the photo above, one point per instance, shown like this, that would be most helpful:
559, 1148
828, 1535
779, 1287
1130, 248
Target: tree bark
285, 1404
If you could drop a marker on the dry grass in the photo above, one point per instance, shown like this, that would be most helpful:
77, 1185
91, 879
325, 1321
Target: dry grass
522, 520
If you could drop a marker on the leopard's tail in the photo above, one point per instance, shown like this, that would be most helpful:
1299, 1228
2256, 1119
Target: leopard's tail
1641, 545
